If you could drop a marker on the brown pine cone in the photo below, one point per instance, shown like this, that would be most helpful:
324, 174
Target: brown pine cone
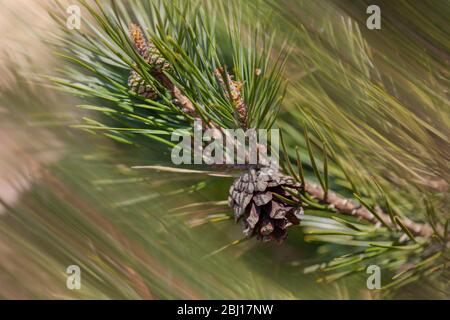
264, 215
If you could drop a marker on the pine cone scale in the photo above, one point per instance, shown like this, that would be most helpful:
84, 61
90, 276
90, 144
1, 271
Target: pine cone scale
262, 198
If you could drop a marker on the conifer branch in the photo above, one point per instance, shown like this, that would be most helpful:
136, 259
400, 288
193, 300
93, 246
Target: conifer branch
349, 207
232, 89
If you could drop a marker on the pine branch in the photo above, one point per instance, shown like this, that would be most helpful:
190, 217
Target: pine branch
232, 88
350, 207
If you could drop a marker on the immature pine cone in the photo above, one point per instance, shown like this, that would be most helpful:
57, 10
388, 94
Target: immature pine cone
264, 215
139, 86
235, 94
152, 56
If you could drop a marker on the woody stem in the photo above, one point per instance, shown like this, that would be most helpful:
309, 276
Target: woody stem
351, 208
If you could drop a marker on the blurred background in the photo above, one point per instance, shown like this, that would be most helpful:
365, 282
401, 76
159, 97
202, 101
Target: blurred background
70, 197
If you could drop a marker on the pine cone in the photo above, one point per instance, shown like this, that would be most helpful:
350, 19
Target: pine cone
139, 86
264, 215
235, 94
152, 56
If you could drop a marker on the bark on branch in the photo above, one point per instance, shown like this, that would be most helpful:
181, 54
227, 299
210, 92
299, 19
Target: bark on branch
352, 208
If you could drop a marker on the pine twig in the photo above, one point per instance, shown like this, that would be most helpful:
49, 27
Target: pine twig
350, 207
